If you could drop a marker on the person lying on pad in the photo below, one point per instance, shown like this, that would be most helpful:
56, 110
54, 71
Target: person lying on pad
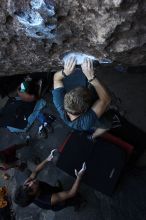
75, 107
44, 195
29, 90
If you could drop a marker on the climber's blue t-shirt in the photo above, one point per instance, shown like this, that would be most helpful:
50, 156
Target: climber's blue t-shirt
87, 121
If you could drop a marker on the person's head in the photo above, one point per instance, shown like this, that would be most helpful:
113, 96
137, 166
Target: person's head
29, 87
77, 101
25, 194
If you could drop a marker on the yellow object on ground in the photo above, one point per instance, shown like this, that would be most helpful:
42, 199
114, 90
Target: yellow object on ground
3, 193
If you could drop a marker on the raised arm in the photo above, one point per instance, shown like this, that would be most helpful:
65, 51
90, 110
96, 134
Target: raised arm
68, 69
40, 167
62, 196
100, 106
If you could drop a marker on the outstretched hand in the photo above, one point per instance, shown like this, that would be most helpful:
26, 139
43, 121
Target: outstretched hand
51, 155
69, 66
81, 172
39, 168
87, 68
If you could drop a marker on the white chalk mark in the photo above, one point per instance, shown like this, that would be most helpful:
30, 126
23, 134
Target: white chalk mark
33, 22
30, 19
37, 4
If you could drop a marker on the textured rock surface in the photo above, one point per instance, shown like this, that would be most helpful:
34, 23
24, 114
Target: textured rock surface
33, 33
